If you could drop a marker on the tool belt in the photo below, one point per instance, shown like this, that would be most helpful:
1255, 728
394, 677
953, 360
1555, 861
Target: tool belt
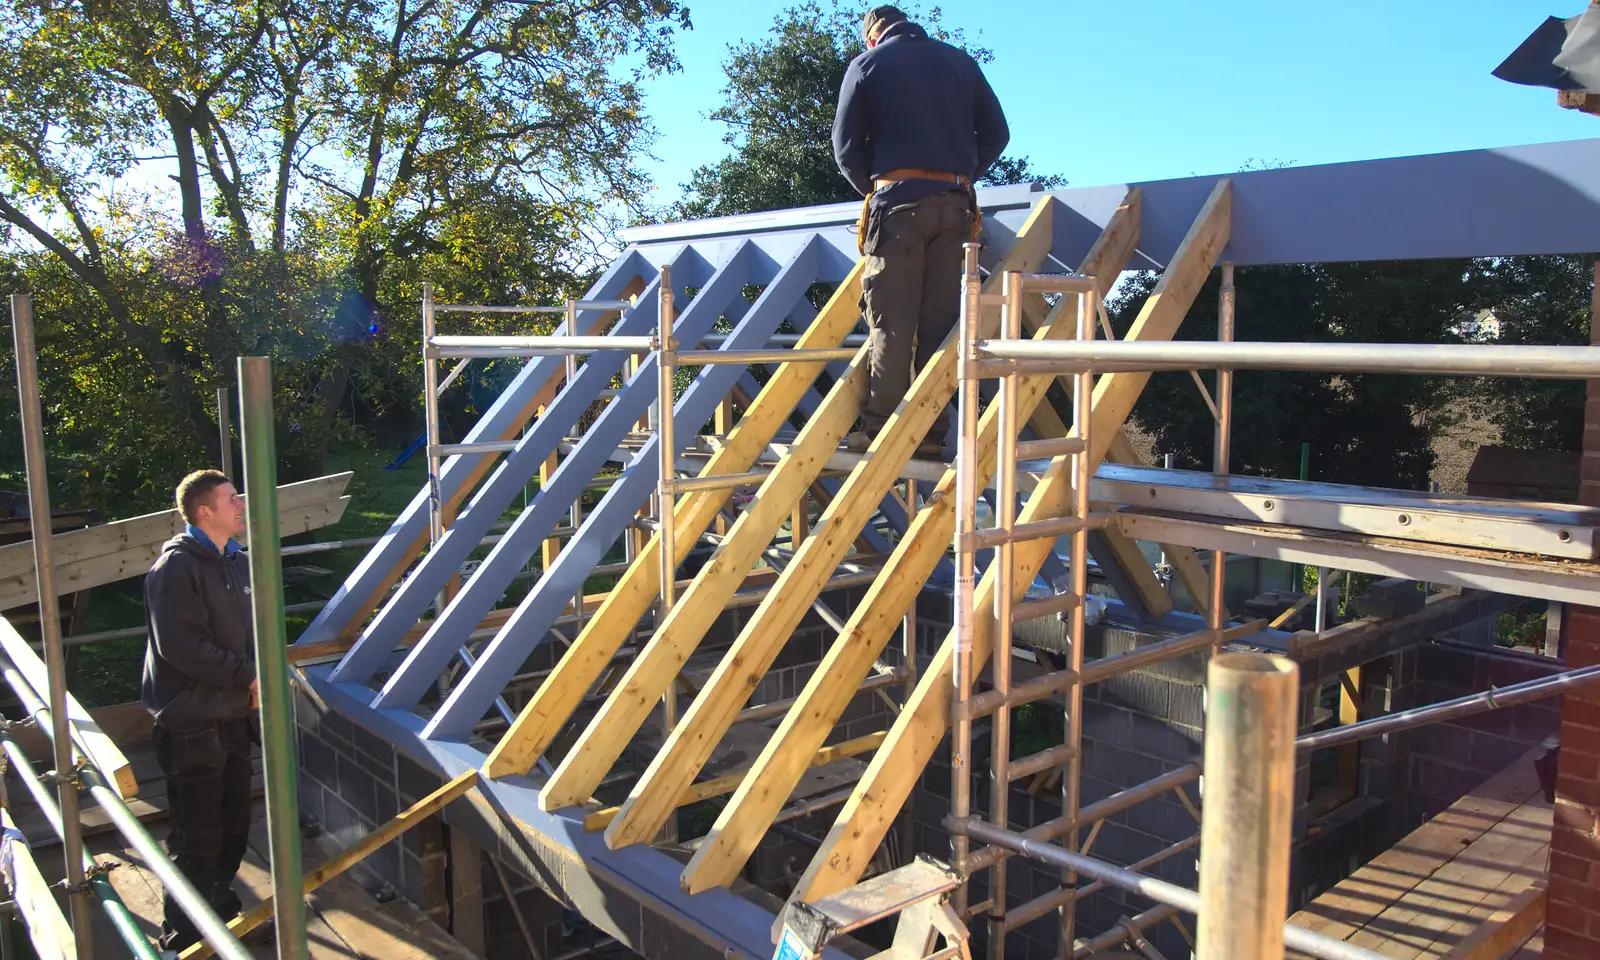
864, 224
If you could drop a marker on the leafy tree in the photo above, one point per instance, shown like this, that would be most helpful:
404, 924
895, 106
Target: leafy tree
182, 183
1363, 428
778, 107
1539, 301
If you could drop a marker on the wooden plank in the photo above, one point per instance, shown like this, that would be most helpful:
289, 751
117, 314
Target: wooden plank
48, 929
924, 719
1355, 901
845, 665
16, 559
677, 637
1409, 925
1507, 928
556, 699
87, 736
1580, 100
136, 561
728, 782
690, 744
351, 855
1185, 563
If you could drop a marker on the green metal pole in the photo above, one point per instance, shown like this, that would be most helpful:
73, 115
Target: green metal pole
257, 430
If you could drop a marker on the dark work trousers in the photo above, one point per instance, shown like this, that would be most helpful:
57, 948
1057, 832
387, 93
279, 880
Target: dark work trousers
911, 296
208, 788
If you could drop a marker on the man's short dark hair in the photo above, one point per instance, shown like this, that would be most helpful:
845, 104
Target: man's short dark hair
194, 489
881, 16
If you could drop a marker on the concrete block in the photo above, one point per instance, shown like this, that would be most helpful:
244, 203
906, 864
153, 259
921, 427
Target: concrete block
1491, 753
356, 788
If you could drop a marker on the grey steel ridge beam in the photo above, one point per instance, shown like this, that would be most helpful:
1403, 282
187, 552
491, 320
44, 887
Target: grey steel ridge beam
505, 485
504, 655
1505, 201
374, 568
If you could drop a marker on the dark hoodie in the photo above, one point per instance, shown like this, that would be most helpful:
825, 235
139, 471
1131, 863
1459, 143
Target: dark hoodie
919, 103
200, 660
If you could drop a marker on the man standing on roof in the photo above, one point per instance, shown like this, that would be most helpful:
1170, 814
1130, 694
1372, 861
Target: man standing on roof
200, 685
917, 123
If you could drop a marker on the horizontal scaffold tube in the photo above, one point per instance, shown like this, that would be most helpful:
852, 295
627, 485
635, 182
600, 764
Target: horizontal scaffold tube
553, 346
1296, 937
577, 304
126, 925
1465, 360
1468, 705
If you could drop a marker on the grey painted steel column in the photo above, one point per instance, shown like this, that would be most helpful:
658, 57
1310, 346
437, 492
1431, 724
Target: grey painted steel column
258, 431
1249, 806
40, 520
504, 655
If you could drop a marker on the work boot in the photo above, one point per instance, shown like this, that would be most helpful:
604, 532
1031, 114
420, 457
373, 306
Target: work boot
857, 442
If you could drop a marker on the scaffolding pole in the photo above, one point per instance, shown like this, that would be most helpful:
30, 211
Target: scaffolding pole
1249, 791
258, 429
39, 517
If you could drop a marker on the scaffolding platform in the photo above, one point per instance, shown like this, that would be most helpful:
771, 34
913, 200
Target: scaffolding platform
1466, 885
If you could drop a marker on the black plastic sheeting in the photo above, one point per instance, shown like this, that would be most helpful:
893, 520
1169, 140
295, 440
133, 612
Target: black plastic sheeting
1563, 54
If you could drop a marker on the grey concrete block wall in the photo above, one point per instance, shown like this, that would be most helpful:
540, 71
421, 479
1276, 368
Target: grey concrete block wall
1450, 758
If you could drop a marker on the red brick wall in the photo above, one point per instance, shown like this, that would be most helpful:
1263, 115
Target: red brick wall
1572, 926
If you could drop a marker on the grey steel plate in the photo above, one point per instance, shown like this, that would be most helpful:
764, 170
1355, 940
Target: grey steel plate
1548, 529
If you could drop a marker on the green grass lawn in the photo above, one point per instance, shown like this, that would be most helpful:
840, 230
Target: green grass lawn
108, 672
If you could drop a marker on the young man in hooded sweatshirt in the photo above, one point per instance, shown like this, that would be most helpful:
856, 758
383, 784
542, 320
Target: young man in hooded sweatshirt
916, 125
200, 685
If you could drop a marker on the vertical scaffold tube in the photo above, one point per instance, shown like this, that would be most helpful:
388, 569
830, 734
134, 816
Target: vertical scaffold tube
1249, 806
667, 450
1221, 451
1083, 471
278, 765
430, 417
574, 515
966, 526
1004, 599
43, 531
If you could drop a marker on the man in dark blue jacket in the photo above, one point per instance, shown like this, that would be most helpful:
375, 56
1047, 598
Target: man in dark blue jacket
916, 125
200, 685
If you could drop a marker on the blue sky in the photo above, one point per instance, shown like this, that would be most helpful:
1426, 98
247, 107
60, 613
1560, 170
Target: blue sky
1130, 90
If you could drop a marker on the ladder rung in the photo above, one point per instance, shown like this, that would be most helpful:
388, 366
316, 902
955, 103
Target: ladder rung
1058, 527
1034, 609
871, 900
552, 346
1038, 688
1042, 449
1043, 760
